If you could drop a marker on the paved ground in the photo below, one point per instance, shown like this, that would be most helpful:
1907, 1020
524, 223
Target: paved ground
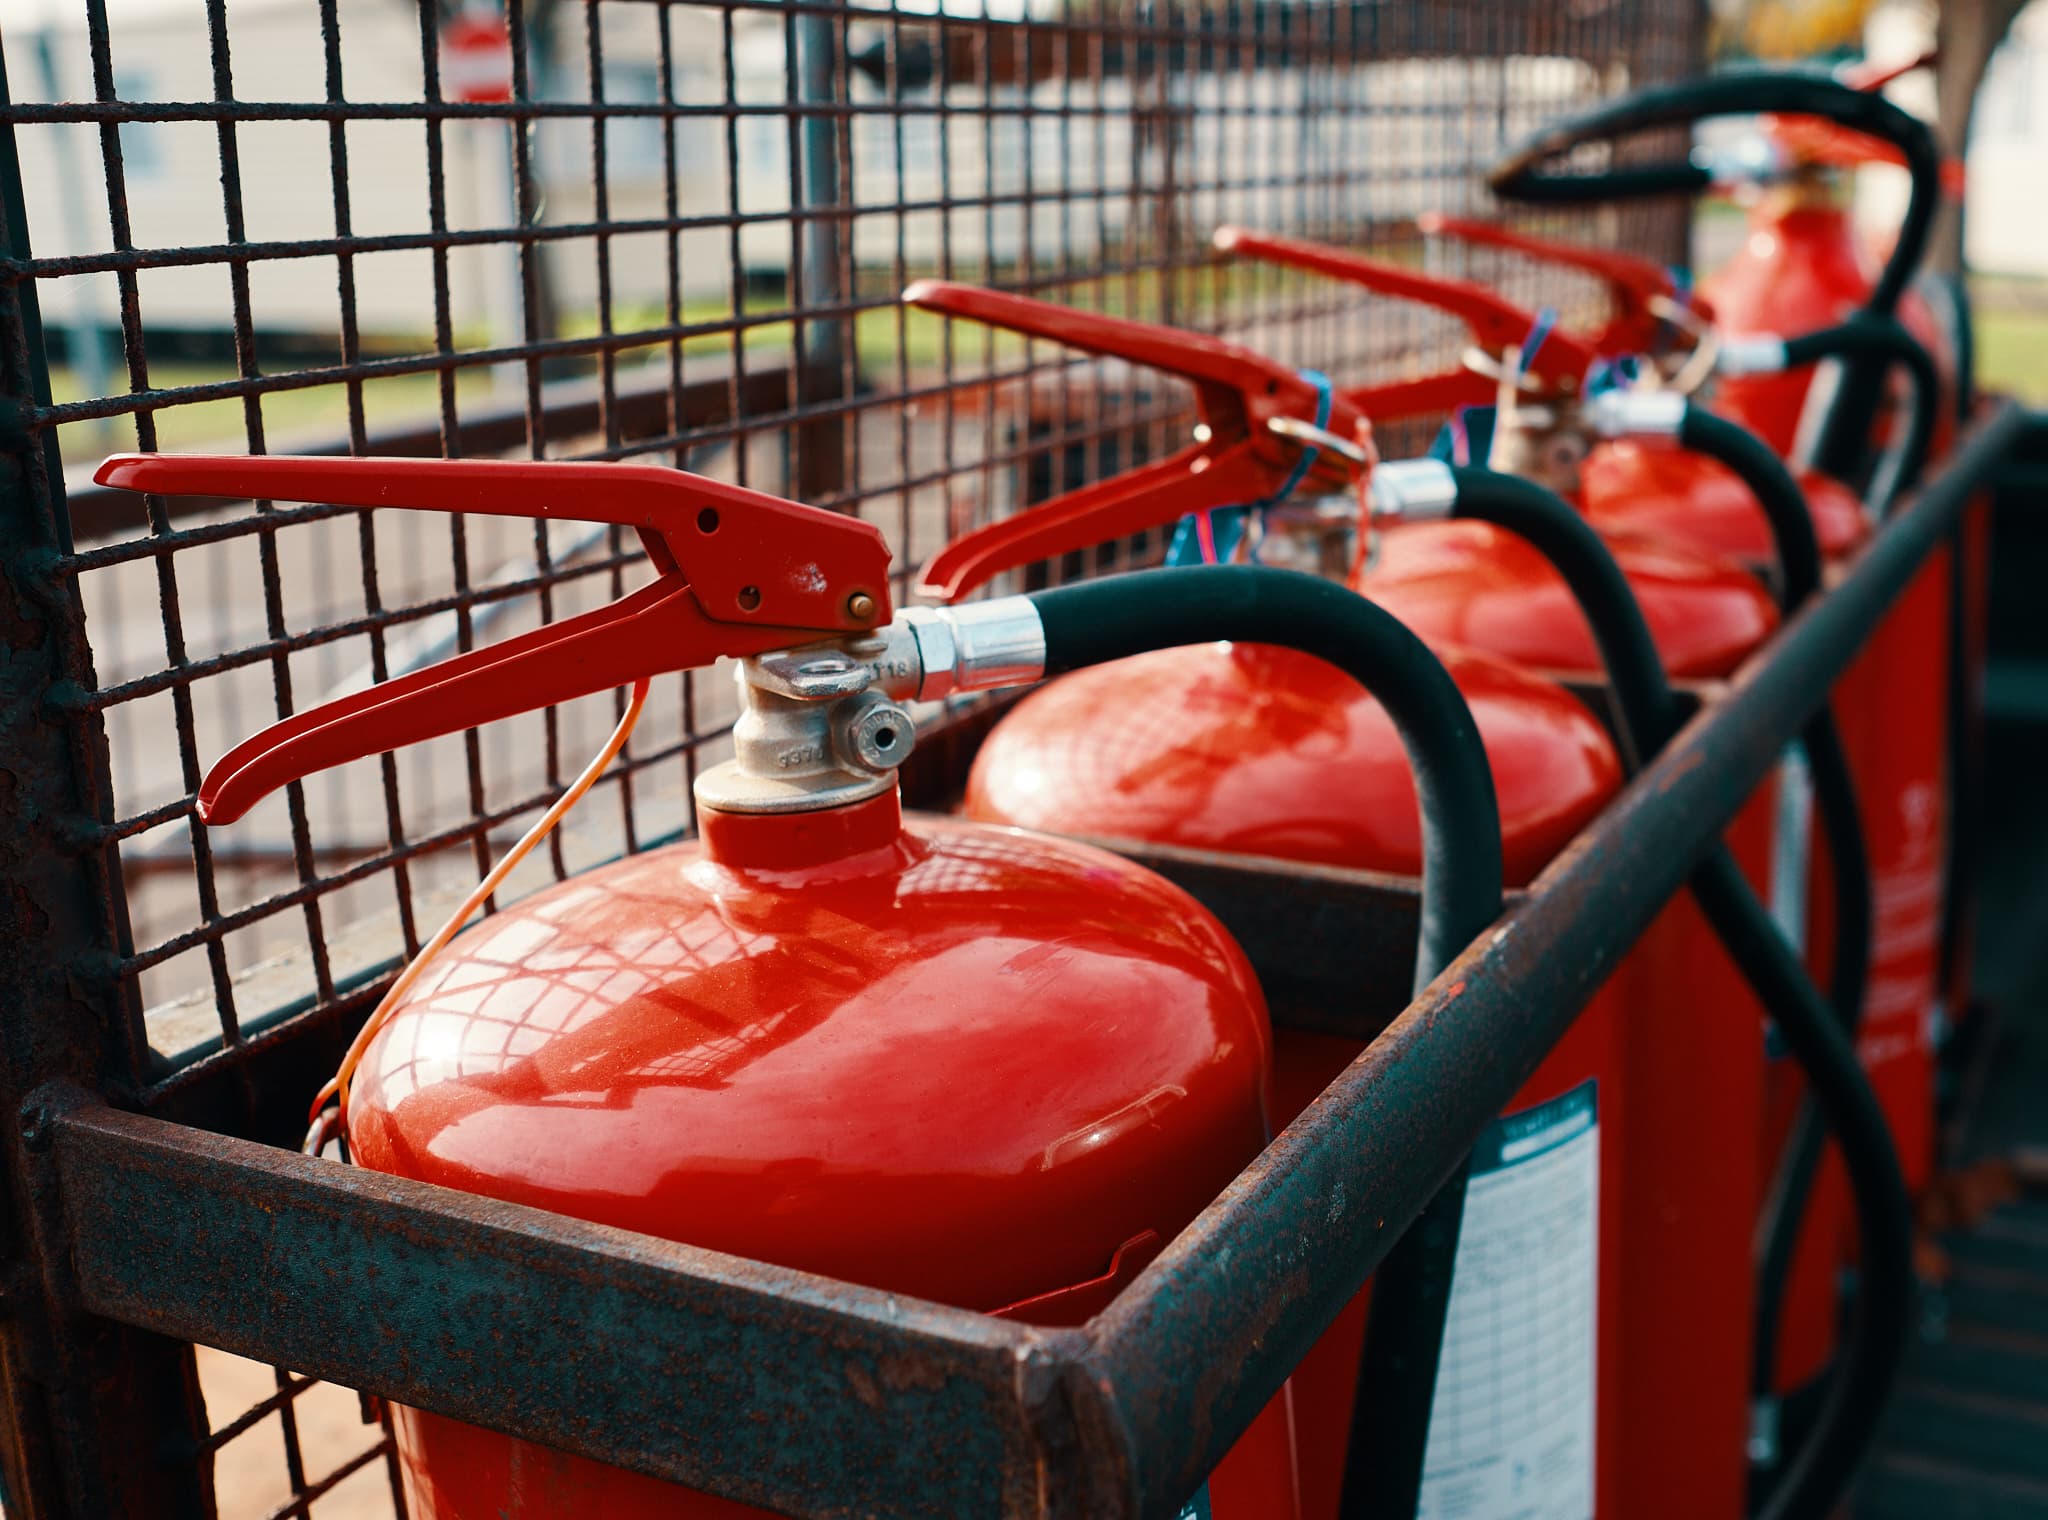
1967, 1437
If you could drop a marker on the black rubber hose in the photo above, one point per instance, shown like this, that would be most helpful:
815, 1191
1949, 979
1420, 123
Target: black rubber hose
1095, 621
1777, 495
1834, 795
1516, 176
1120, 615
1868, 1363
1826, 1462
1845, 431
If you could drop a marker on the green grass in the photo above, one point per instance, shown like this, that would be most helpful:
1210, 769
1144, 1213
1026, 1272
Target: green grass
288, 415
2012, 350
885, 337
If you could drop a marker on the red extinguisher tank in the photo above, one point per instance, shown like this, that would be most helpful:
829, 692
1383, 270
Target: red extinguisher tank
1254, 750
1690, 1047
992, 1069
1799, 270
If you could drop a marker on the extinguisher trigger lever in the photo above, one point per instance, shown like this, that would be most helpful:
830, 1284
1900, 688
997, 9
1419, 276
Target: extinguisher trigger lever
1495, 322
1643, 291
1266, 429
740, 573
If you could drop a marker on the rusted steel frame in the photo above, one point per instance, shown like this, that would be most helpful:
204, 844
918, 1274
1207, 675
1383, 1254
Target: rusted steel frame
96, 1418
1208, 1332
768, 1385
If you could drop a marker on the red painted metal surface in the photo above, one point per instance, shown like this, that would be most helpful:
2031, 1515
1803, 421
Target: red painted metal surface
1263, 752
957, 1062
1474, 584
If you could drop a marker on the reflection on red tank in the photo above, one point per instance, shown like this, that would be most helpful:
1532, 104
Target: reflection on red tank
1690, 502
1261, 751
1478, 585
1800, 268
951, 1061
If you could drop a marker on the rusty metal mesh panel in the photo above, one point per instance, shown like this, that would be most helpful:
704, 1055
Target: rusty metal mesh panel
272, 225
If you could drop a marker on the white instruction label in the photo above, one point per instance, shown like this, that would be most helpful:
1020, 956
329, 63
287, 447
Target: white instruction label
1511, 1428
1792, 846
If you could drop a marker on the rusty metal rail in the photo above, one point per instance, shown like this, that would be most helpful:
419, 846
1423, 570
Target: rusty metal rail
825, 1400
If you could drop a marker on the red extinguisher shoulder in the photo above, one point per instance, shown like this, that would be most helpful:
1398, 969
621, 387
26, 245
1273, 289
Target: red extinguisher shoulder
969, 1063
1262, 751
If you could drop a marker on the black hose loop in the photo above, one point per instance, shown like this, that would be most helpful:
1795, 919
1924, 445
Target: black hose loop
1868, 336
1819, 1033
1109, 619
1776, 492
1516, 175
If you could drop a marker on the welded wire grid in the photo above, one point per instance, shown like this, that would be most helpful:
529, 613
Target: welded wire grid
277, 225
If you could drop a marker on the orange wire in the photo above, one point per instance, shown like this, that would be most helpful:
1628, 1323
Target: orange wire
337, 1087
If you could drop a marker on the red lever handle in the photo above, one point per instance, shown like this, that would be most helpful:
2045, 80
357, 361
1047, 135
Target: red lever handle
741, 573
1636, 284
1237, 388
1254, 408
1495, 322
1809, 140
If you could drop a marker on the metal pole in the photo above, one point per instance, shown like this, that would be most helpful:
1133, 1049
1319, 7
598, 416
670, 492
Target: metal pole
821, 347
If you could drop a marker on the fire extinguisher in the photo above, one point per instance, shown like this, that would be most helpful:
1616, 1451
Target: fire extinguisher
1827, 1458
1904, 669
1722, 1337
1246, 749
1702, 1254
1447, 581
1803, 262
672, 1043
1796, 1295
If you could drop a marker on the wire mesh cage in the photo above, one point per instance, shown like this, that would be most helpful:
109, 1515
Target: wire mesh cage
659, 230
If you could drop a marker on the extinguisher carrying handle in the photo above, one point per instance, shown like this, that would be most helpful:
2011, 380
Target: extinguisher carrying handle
1269, 428
1643, 290
1520, 175
1495, 322
1821, 1038
740, 573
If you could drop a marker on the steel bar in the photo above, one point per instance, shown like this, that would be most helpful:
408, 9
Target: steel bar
1208, 1332
764, 1384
